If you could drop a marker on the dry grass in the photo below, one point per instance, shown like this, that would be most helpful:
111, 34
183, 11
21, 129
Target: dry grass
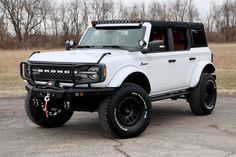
10, 82
225, 62
12, 85
224, 56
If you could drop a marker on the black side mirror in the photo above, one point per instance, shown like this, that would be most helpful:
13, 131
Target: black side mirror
157, 45
142, 43
70, 44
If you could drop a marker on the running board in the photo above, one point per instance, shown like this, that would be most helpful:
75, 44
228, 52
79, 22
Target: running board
168, 95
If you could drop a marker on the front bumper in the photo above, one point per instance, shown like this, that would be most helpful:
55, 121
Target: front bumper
70, 93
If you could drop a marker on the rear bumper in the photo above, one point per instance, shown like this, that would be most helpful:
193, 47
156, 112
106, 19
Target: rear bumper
71, 93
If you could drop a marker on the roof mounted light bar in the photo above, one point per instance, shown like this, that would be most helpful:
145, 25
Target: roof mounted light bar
94, 23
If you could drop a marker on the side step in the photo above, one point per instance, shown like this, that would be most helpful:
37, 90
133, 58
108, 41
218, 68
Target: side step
168, 95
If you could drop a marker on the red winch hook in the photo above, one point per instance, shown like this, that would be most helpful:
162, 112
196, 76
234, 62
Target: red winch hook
46, 100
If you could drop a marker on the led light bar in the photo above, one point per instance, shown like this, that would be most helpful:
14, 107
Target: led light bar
94, 23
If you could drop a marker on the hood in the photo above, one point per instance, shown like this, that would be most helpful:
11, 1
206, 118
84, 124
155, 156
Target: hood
75, 56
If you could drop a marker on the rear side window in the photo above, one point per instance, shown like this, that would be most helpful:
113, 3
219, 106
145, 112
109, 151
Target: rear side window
180, 40
199, 38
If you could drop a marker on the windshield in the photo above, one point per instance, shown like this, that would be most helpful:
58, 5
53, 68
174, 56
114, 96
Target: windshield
125, 38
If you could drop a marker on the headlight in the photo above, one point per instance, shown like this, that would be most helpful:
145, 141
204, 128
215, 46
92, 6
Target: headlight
94, 73
90, 74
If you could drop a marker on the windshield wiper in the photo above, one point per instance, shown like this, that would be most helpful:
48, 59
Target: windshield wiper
113, 46
86, 46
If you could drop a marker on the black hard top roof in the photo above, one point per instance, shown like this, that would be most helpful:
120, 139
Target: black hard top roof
172, 24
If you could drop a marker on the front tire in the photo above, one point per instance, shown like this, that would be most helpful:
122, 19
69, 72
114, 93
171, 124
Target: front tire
127, 113
203, 96
37, 115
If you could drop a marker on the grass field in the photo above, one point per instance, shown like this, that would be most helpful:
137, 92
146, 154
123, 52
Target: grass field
12, 85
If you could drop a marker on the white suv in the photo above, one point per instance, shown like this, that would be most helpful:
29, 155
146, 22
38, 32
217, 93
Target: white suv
117, 69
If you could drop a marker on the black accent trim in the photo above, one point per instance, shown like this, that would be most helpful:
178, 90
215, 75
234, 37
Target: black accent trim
168, 95
70, 93
170, 40
33, 53
172, 60
189, 39
192, 58
103, 55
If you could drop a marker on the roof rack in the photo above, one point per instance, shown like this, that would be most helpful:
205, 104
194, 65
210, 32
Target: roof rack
94, 23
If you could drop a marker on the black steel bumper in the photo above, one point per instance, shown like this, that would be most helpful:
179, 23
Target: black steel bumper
71, 93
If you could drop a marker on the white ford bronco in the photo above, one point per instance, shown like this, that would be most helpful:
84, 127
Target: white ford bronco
118, 68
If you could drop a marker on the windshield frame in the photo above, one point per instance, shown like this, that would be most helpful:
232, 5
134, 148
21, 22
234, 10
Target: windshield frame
135, 48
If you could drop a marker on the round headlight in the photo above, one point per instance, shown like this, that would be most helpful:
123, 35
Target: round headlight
94, 75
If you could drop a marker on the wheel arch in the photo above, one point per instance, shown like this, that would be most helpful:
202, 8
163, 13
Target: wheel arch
139, 79
130, 74
202, 66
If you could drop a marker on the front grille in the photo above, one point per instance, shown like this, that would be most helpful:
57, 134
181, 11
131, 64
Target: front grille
55, 72
52, 73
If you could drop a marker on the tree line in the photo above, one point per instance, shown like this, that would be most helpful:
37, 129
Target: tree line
47, 23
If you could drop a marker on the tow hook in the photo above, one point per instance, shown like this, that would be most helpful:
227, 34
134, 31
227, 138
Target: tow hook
67, 105
35, 102
46, 100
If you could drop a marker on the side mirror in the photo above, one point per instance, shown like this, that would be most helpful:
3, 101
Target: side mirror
157, 45
70, 44
142, 43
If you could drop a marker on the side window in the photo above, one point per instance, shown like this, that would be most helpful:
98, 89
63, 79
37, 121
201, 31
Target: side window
159, 36
199, 38
180, 40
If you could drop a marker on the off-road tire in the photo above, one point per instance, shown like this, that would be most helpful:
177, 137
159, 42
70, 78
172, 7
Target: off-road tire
203, 96
37, 116
115, 112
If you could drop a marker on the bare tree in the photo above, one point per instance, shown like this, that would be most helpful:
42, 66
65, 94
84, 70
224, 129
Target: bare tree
123, 12
134, 14
45, 9
178, 10
85, 15
3, 29
24, 15
153, 10
192, 11
226, 15
75, 16
143, 11
101, 9
65, 20
55, 20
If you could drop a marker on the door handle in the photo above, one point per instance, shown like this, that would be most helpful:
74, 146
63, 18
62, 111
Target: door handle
192, 58
144, 63
172, 60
